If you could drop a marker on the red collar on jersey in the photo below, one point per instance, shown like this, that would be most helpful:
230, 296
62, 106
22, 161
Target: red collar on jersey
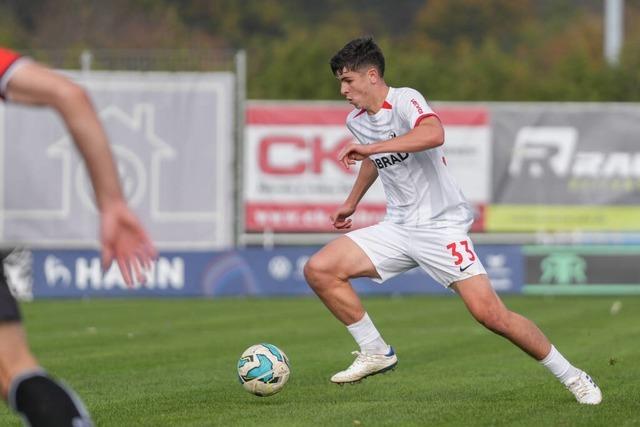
385, 106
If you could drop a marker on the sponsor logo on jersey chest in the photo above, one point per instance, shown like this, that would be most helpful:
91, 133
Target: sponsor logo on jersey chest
390, 160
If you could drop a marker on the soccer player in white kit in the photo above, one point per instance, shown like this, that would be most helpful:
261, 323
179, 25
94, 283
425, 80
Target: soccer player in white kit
426, 225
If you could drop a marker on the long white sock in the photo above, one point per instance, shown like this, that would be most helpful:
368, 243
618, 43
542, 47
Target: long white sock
367, 336
559, 366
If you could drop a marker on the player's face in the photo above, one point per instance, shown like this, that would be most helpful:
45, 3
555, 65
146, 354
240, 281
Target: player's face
355, 87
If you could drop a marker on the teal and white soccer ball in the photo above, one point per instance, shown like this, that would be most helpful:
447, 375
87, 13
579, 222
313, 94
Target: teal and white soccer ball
263, 369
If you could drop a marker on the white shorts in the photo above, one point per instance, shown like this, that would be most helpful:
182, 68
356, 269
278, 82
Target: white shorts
446, 254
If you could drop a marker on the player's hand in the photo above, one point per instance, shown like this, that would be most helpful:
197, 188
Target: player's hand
352, 153
124, 240
340, 217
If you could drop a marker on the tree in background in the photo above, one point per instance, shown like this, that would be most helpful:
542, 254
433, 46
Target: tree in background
449, 49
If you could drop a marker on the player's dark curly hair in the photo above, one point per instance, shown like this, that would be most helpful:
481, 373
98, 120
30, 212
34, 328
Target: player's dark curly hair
357, 54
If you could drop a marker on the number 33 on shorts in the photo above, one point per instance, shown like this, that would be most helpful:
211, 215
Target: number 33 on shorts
462, 253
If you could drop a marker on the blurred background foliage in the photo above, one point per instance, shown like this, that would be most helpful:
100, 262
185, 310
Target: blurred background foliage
485, 50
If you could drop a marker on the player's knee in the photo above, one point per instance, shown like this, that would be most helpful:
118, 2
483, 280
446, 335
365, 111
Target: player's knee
314, 270
311, 270
494, 320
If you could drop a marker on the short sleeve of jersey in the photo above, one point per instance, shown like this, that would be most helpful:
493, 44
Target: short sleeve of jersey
413, 107
7, 59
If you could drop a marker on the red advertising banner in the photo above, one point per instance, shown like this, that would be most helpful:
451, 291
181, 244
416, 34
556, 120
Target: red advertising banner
293, 181
305, 216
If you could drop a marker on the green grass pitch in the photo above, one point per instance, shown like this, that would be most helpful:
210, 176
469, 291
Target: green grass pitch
162, 362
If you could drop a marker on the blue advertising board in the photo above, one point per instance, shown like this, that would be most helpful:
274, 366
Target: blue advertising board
71, 273
243, 272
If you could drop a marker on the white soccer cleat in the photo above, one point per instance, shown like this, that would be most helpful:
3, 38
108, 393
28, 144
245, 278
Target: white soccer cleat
366, 365
585, 389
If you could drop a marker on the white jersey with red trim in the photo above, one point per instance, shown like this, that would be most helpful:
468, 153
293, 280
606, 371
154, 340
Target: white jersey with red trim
419, 189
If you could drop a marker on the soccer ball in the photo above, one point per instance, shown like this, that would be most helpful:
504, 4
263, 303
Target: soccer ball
263, 369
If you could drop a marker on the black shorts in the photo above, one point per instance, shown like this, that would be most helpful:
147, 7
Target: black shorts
9, 311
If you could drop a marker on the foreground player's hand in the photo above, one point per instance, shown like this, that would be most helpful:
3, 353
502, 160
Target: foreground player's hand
124, 240
352, 153
340, 217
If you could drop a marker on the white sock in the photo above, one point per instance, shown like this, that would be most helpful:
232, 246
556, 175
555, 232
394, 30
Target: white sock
559, 366
368, 337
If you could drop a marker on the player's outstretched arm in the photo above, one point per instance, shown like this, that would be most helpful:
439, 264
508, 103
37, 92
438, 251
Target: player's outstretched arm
34, 84
123, 237
367, 175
